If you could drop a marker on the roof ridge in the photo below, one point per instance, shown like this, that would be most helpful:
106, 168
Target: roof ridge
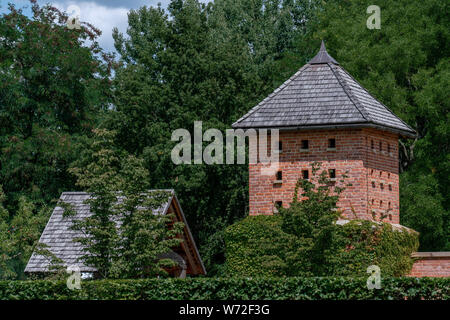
349, 93
270, 96
408, 126
74, 192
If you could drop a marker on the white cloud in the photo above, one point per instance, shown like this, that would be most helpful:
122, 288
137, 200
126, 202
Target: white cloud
102, 17
103, 14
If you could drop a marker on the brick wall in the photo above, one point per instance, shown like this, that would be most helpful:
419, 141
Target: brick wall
431, 264
383, 175
353, 153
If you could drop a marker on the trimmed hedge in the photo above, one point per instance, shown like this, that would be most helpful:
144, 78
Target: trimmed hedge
258, 245
339, 288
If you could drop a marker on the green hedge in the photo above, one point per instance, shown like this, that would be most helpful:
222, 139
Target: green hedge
257, 245
229, 289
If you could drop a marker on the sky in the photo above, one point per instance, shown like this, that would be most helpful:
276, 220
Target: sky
103, 14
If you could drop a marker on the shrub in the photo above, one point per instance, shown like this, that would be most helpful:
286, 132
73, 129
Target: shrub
256, 245
338, 288
361, 243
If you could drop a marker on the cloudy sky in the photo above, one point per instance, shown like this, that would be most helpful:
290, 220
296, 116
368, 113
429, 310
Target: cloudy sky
104, 14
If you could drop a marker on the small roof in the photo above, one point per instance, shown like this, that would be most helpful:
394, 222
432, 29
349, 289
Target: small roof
58, 235
322, 95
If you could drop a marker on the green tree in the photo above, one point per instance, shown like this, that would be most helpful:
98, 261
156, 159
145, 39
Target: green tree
124, 237
19, 236
423, 210
405, 64
146, 235
99, 176
307, 239
5, 271
197, 62
313, 221
53, 84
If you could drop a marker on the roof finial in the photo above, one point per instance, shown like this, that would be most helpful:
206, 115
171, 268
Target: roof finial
322, 56
322, 46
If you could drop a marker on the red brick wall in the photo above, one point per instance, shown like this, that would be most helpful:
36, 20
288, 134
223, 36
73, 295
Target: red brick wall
383, 178
353, 153
431, 267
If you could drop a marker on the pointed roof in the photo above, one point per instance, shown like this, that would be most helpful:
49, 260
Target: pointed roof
322, 95
322, 56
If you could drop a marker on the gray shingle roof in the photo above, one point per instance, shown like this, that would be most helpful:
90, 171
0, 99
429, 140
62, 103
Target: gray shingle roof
322, 95
58, 236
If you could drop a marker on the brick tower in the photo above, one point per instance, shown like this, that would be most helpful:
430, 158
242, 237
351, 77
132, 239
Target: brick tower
323, 114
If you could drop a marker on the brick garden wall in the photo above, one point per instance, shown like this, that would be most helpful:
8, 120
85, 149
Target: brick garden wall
431, 264
353, 153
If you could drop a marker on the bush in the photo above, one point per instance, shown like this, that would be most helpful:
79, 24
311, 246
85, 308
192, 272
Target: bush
229, 289
257, 245
361, 243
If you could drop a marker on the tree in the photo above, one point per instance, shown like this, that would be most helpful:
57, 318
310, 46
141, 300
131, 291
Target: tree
313, 221
99, 176
5, 271
208, 63
422, 209
53, 84
307, 239
18, 236
123, 237
405, 64
146, 235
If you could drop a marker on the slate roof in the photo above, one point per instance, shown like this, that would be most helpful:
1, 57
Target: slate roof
322, 94
58, 236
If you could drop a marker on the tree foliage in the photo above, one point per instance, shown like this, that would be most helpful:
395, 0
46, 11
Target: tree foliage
18, 236
405, 64
212, 63
53, 84
197, 62
123, 237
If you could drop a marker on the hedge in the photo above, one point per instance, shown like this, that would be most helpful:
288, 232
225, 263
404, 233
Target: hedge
334, 288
